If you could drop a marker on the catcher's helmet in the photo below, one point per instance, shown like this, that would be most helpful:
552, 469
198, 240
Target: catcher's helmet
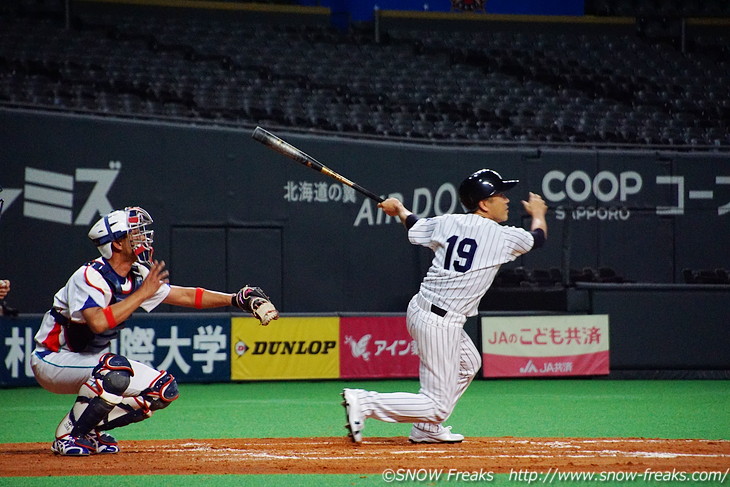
481, 185
117, 224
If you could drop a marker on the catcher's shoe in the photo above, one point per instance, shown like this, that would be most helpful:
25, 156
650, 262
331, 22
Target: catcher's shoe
102, 442
443, 435
72, 446
353, 413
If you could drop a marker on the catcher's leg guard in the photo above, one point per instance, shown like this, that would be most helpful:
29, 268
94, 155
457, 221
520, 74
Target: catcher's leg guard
110, 379
159, 395
98, 396
130, 410
92, 415
134, 416
162, 391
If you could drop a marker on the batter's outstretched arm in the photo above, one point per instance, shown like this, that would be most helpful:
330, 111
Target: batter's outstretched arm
394, 207
537, 209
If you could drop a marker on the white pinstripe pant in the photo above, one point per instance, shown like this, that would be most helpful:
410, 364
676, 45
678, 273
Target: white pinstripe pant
449, 362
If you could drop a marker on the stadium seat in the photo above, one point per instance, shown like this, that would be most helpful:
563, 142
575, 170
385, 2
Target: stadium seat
492, 86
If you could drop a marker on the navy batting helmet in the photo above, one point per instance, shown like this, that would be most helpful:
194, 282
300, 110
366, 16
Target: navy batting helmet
481, 185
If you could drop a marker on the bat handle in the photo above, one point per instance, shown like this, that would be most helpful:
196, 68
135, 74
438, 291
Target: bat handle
367, 193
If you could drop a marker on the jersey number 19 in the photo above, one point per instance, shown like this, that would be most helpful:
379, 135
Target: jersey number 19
465, 250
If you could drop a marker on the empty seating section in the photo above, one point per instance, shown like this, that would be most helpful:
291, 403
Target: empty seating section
485, 86
706, 276
522, 277
657, 8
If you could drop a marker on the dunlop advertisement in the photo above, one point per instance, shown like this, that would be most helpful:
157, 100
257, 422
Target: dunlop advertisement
289, 348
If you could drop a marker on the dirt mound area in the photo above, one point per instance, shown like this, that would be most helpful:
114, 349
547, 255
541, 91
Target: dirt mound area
374, 456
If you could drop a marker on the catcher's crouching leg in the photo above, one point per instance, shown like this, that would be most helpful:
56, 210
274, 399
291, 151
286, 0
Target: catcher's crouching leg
100, 406
158, 395
77, 433
162, 391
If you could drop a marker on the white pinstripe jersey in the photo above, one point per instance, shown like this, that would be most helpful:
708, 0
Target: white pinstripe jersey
469, 250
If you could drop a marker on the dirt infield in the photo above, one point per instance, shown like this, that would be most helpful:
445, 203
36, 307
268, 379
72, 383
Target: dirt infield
373, 456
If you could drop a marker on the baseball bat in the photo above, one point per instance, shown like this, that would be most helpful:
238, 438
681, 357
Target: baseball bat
285, 148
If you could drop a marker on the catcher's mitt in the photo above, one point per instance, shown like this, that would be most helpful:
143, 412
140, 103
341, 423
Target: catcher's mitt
255, 301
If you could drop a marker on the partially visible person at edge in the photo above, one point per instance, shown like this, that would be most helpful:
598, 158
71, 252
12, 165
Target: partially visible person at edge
4, 288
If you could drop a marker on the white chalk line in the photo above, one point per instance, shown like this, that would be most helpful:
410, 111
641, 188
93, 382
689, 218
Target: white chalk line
260, 453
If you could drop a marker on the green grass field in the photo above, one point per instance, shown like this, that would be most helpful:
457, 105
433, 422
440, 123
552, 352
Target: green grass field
534, 408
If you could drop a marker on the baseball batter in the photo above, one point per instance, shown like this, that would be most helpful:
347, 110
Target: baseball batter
71, 354
468, 251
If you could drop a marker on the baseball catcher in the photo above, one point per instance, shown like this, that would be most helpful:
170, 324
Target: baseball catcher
72, 344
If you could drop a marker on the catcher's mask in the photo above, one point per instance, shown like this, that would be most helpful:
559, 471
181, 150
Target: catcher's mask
482, 185
133, 221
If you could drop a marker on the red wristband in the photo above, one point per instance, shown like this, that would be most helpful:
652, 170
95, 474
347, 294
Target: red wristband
109, 315
199, 297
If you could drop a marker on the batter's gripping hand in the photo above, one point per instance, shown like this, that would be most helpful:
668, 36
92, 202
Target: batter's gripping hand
255, 301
